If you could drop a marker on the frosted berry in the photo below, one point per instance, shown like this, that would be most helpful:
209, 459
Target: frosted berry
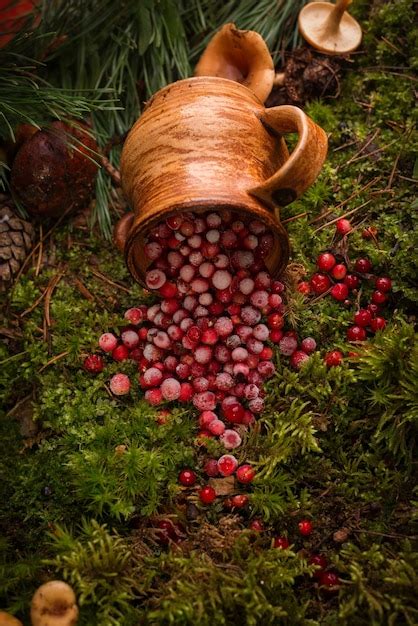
377, 323
363, 266
170, 389
108, 342
333, 359
205, 401
211, 468
152, 377
288, 345
120, 384
298, 359
325, 261
305, 527
343, 226
130, 339
93, 364
187, 478
339, 292
363, 317
245, 474
308, 345
230, 439
383, 284
320, 283
227, 464
207, 495
154, 396
356, 333
216, 427
154, 279
281, 542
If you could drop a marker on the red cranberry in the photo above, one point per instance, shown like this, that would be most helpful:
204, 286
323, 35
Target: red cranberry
333, 359
187, 478
207, 494
362, 318
305, 527
234, 412
329, 580
304, 287
383, 284
245, 474
320, 561
379, 297
167, 531
93, 364
339, 291
240, 501
343, 226
276, 334
257, 525
363, 266
356, 333
374, 309
320, 283
339, 271
377, 323
120, 353
325, 261
369, 233
281, 542
275, 321
352, 281
298, 359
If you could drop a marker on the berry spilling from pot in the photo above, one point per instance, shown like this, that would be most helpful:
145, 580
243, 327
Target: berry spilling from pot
208, 340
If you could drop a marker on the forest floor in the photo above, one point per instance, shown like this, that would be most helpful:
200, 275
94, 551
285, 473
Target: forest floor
334, 445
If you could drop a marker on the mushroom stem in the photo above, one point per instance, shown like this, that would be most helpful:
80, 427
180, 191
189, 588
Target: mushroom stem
279, 78
333, 22
54, 604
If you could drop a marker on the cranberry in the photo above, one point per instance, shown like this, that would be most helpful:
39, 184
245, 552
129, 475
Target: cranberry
377, 323
343, 226
320, 283
339, 291
120, 353
333, 359
305, 527
356, 333
207, 494
275, 321
325, 261
211, 468
352, 281
339, 271
281, 542
370, 232
234, 412
239, 501
308, 345
187, 477
383, 284
245, 474
257, 525
298, 359
304, 287
379, 297
93, 364
108, 342
320, 561
276, 335
363, 266
330, 580
227, 464
363, 317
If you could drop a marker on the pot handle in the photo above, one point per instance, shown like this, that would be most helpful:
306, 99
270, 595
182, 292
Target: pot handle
304, 164
121, 231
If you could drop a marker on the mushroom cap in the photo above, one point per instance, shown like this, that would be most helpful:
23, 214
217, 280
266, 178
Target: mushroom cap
54, 604
314, 27
8, 620
241, 56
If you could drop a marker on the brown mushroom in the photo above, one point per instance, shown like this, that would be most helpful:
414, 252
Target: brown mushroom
54, 604
239, 55
329, 28
8, 620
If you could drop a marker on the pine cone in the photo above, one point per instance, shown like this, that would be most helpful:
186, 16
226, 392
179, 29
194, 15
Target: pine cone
16, 237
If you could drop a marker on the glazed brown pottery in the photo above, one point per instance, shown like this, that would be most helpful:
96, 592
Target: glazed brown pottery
208, 143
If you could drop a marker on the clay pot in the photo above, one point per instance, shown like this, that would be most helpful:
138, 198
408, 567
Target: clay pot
208, 143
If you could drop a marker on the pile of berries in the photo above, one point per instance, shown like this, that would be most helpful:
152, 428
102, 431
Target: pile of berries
335, 278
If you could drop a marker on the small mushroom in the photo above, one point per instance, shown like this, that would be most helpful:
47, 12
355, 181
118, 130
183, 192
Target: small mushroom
239, 55
54, 604
329, 28
8, 620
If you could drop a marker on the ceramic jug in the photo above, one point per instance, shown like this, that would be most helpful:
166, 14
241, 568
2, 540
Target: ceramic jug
208, 143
